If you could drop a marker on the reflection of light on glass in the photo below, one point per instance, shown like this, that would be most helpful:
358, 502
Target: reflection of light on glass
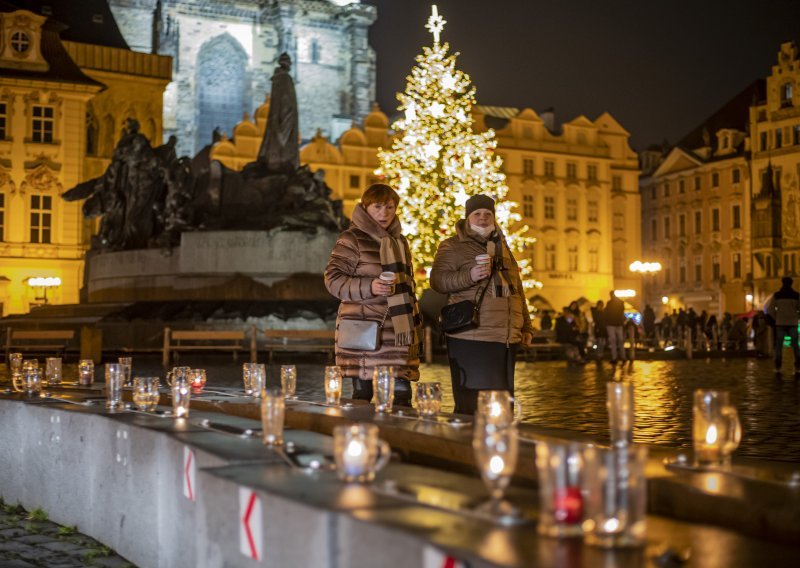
495, 410
353, 496
333, 385
711, 435
496, 465
669, 348
611, 525
711, 482
355, 448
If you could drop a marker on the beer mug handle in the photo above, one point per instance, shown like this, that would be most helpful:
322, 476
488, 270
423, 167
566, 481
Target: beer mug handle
735, 429
169, 377
517, 409
384, 453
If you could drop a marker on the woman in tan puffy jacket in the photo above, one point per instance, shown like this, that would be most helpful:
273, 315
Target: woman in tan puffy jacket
482, 358
371, 245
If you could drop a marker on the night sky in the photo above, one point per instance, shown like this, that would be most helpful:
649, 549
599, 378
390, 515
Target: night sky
659, 67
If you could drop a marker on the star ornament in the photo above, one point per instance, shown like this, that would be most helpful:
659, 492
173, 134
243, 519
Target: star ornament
448, 82
431, 149
436, 110
435, 24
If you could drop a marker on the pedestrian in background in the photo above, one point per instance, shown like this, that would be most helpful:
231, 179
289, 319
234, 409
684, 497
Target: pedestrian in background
784, 307
600, 333
614, 318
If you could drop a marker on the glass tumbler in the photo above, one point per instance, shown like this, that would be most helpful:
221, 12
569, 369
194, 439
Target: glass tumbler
114, 377
498, 407
53, 371
15, 366
619, 402
181, 397
85, 372
359, 452
716, 429
496, 449
32, 380
333, 384
559, 464
429, 399
273, 405
289, 380
145, 393
383, 388
127, 366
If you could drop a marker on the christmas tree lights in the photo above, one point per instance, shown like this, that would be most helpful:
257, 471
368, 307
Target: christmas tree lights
437, 161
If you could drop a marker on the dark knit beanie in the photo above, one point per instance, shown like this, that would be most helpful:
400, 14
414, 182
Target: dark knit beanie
479, 202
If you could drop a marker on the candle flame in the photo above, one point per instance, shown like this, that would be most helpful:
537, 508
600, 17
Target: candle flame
496, 465
711, 435
495, 410
355, 448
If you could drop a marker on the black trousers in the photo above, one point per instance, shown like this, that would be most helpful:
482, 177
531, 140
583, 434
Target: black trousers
362, 390
477, 366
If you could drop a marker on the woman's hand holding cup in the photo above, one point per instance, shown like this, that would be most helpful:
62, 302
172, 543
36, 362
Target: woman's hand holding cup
383, 285
482, 268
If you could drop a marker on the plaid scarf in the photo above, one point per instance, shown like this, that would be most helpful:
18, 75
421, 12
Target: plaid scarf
403, 307
501, 284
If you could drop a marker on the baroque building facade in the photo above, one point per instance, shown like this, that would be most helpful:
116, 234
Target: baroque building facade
225, 51
65, 93
720, 209
577, 189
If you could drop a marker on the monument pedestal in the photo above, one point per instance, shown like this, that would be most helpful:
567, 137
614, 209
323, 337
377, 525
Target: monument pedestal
225, 265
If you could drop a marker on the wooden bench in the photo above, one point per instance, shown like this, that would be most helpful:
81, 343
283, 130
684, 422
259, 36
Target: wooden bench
299, 340
176, 341
38, 341
544, 342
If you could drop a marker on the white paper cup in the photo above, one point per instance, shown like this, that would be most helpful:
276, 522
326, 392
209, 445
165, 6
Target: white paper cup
483, 259
387, 277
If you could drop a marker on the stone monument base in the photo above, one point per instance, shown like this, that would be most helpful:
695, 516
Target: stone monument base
225, 265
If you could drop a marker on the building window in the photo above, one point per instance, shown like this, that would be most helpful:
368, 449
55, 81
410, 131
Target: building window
697, 183
764, 142
715, 269
698, 222
355, 182
616, 183
698, 269
20, 42
654, 229
796, 135
666, 189
3, 120
549, 168
591, 172
736, 214
666, 228
682, 270
572, 170
619, 221
527, 167
681, 225
786, 94
315, 51
572, 209
681, 186
594, 259
41, 218
736, 175
592, 211
737, 265
715, 220
715, 179
549, 207
2, 216
42, 125
668, 275
527, 205
550, 257
778, 137
573, 258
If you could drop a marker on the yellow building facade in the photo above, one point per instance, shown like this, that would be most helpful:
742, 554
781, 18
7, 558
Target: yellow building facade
62, 106
577, 190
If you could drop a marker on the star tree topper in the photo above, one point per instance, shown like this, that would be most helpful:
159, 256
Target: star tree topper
435, 24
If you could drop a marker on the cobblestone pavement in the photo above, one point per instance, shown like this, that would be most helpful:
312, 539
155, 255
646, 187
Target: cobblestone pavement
28, 539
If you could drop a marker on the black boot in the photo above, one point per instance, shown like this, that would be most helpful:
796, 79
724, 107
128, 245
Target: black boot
402, 392
362, 390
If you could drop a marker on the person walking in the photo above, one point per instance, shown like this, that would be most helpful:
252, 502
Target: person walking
600, 333
372, 245
784, 307
482, 358
614, 319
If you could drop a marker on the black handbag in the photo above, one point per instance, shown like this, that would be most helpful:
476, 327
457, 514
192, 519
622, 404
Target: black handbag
463, 315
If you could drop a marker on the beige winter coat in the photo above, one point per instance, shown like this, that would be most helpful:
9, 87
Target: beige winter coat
502, 320
355, 262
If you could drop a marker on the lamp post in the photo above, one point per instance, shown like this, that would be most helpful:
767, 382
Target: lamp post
643, 269
44, 284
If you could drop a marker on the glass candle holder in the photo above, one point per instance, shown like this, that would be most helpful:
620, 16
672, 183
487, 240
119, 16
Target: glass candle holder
559, 465
616, 496
333, 385
254, 376
197, 380
429, 399
289, 380
32, 380
359, 452
15, 367
127, 367
273, 405
383, 379
716, 429
619, 402
177, 374
496, 449
181, 397
85, 372
145, 393
498, 407
114, 377
53, 371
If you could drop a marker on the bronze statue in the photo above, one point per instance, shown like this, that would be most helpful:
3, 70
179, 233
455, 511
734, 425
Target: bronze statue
279, 151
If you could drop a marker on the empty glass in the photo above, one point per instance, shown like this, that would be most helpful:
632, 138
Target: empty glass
254, 376
716, 429
495, 447
359, 452
127, 366
333, 384
273, 405
85, 372
619, 402
145, 393
15, 366
53, 370
197, 379
495, 407
615, 488
383, 388
559, 464
177, 373
429, 399
181, 397
114, 377
289, 380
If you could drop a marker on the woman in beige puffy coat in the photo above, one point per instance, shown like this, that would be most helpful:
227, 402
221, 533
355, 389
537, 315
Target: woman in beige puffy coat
371, 245
482, 358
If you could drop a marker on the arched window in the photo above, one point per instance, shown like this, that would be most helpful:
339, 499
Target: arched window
221, 87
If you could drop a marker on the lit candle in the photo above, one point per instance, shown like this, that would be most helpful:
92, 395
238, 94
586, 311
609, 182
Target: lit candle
568, 505
355, 458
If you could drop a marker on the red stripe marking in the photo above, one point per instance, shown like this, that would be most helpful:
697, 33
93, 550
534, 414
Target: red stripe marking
449, 562
246, 522
188, 477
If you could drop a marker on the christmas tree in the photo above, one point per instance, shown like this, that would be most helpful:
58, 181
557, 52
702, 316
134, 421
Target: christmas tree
437, 161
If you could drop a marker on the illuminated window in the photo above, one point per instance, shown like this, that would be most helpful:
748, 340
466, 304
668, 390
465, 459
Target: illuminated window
737, 265
572, 170
20, 42
550, 257
527, 167
572, 209
41, 218
355, 182
3, 120
786, 94
594, 259
42, 124
736, 216
736, 175
549, 168
715, 219
549, 207
592, 211
572, 254
2, 215
527, 205
616, 183
591, 172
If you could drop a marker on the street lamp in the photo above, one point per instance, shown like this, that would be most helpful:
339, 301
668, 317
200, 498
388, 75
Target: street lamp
44, 284
644, 269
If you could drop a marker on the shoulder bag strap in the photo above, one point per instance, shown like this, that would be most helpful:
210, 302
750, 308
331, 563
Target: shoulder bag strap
483, 293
